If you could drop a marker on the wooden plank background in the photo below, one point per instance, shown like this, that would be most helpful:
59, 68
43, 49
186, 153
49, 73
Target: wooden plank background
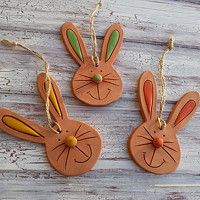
24, 170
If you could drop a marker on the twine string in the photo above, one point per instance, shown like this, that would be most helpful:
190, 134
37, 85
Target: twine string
95, 57
51, 122
162, 123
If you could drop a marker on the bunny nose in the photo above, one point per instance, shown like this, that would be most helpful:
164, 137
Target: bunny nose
71, 141
97, 78
158, 142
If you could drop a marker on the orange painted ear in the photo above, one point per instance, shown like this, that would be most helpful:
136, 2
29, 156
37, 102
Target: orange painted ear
21, 127
74, 42
56, 104
183, 110
148, 96
112, 43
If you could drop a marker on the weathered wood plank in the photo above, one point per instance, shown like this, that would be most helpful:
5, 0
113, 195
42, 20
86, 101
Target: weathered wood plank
144, 20
121, 186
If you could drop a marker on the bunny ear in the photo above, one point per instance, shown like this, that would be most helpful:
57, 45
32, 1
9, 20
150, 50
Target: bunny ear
21, 127
183, 110
56, 104
74, 42
112, 43
148, 96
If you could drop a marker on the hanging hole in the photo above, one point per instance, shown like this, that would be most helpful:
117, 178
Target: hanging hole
58, 130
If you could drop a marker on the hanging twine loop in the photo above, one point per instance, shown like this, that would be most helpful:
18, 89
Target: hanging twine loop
51, 122
95, 57
161, 121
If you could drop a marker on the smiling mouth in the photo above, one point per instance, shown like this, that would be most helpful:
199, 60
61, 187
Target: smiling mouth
87, 156
144, 153
99, 98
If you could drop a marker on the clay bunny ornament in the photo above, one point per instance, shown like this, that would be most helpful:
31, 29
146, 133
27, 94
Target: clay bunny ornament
95, 85
156, 150
71, 152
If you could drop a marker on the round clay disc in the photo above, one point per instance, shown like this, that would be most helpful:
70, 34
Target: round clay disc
155, 150
100, 92
72, 159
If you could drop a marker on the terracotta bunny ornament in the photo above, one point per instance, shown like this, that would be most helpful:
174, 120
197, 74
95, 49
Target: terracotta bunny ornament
95, 85
71, 152
153, 149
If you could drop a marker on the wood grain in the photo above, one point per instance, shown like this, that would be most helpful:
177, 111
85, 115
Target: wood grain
24, 170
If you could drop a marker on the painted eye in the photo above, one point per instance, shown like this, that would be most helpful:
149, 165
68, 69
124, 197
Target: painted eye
58, 139
101, 70
91, 70
163, 135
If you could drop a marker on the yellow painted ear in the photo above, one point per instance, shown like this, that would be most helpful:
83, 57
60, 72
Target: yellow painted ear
19, 126
54, 101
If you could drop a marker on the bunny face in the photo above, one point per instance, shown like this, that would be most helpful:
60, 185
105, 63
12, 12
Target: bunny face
72, 151
153, 149
100, 92
95, 85
79, 155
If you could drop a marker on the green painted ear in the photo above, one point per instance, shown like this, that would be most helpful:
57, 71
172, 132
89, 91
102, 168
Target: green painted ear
112, 44
74, 43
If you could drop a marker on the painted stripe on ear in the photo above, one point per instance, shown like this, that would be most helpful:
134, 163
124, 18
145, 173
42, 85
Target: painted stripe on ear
74, 43
185, 111
54, 101
148, 95
18, 125
112, 43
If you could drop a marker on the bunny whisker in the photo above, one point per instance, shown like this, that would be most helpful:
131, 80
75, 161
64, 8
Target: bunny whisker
67, 158
85, 76
170, 148
62, 153
86, 138
148, 132
169, 154
57, 146
83, 134
144, 144
77, 130
168, 142
110, 83
111, 79
84, 85
154, 151
82, 80
106, 75
81, 151
145, 137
